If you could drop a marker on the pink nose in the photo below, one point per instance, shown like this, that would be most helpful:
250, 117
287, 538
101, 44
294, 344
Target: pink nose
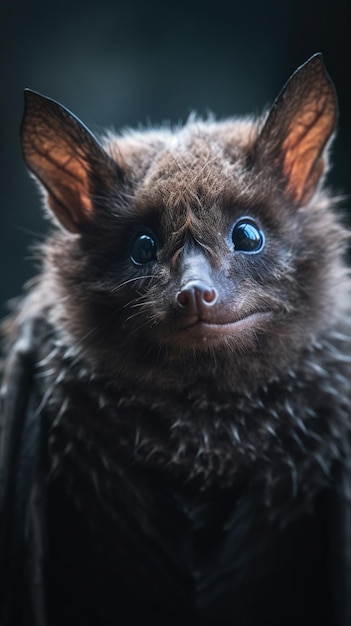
196, 297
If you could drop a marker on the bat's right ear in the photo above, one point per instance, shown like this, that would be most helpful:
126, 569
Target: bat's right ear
296, 134
67, 159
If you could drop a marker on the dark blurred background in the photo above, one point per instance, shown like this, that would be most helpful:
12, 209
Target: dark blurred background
123, 63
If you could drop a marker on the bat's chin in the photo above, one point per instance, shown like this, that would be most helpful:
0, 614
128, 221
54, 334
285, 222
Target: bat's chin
203, 331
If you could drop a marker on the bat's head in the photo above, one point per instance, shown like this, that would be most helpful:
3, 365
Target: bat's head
202, 249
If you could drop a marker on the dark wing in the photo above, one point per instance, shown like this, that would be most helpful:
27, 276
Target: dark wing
340, 524
22, 487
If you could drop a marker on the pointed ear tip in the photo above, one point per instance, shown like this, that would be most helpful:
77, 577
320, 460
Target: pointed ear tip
30, 98
32, 103
27, 94
316, 57
314, 68
30, 95
316, 61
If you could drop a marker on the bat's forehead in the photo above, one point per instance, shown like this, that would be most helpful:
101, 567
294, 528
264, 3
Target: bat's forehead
193, 167
187, 175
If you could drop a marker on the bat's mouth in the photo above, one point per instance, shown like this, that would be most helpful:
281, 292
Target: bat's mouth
204, 329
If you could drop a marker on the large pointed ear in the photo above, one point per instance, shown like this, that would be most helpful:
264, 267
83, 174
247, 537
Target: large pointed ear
67, 159
299, 126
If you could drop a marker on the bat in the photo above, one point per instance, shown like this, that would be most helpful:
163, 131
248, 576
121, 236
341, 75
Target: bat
175, 405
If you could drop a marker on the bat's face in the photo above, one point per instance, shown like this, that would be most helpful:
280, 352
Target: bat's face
208, 245
204, 256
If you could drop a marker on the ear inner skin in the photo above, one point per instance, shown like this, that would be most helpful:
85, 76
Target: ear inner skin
298, 127
66, 158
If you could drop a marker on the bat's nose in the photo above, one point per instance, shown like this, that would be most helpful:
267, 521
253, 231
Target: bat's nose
196, 297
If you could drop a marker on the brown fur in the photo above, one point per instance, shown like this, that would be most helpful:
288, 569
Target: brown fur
251, 395
121, 324
230, 418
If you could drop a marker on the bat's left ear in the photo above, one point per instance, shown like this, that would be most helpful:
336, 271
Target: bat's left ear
298, 128
73, 168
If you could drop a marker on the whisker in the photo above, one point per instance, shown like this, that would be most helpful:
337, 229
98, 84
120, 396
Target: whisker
130, 280
132, 305
37, 235
133, 316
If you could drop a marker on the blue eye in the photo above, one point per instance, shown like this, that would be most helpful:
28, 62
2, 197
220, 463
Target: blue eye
247, 237
143, 249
